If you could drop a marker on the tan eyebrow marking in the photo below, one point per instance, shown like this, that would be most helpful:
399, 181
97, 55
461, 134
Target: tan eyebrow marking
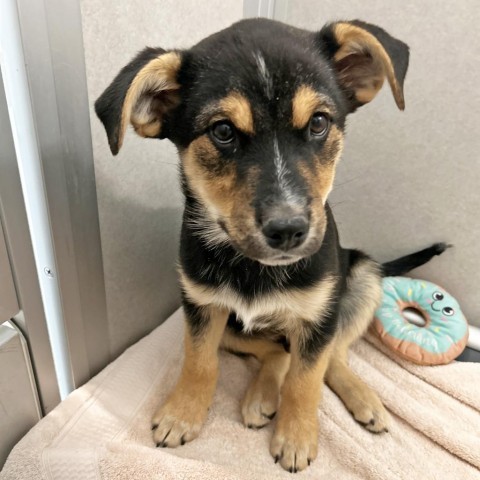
238, 109
306, 102
234, 107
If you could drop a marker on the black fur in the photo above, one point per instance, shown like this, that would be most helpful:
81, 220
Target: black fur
311, 296
223, 63
250, 278
403, 265
196, 320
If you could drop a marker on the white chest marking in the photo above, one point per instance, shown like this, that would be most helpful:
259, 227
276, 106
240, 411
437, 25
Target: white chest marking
282, 308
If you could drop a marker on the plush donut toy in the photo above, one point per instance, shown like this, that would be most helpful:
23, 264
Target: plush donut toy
445, 333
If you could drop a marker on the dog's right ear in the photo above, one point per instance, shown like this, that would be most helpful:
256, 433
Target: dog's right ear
363, 56
141, 94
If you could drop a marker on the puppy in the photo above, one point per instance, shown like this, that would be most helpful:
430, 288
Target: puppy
257, 112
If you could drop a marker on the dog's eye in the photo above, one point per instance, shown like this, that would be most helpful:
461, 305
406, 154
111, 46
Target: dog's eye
319, 124
223, 132
437, 296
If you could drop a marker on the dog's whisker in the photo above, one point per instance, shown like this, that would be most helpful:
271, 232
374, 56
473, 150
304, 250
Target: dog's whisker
346, 182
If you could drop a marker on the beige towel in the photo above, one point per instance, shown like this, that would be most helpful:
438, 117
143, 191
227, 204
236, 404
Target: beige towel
102, 430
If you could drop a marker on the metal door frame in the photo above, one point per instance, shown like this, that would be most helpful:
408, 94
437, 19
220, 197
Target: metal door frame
52, 44
274, 9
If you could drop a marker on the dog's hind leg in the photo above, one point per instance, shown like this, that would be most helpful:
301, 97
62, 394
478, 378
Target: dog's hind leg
356, 312
261, 400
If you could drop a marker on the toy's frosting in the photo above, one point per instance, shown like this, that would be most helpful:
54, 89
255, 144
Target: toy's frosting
445, 324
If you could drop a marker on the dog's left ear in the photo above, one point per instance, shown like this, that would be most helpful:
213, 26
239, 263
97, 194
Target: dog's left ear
142, 93
362, 56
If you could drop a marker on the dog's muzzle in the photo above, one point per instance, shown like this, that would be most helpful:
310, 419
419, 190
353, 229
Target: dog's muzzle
285, 233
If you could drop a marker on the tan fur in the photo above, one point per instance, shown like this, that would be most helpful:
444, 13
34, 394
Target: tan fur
362, 402
261, 400
321, 174
240, 220
237, 108
355, 40
283, 309
225, 198
139, 107
358, 304
357, 308
215, 189
305, 103
185, 410
295, 440
259, 347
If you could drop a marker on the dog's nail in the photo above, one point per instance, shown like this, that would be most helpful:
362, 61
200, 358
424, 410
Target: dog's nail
159, 444
309, 461
372, 421
290, 469
255, 427
154, 427
182, 441
385, 430
277, 458
269, 416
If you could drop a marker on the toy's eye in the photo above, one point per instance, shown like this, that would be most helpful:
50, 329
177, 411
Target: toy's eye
448, 311
223, 132
437, 296
319, 124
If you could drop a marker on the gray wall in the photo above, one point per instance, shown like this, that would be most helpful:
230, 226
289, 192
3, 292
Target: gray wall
138, 196
406, 180
412, 178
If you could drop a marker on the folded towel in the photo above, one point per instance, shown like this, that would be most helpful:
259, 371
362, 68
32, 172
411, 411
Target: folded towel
102, 430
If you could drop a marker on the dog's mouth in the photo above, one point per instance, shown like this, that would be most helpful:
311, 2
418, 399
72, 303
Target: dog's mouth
255, 247
281, 260
248, 239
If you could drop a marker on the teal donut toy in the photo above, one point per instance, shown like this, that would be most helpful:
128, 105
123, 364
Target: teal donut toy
445, 333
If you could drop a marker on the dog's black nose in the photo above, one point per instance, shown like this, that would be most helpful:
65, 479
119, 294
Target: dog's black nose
286, 233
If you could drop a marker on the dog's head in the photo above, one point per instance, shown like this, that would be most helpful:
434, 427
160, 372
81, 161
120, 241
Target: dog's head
257, 112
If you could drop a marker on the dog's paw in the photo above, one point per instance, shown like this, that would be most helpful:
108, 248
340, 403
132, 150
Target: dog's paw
295, 445
359, 399
177, 423
367, 409
260, 404
371, 414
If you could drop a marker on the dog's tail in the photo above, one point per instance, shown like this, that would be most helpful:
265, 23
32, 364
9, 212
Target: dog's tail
402, 265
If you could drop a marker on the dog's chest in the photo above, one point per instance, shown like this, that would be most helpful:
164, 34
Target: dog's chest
275, 310
281, 309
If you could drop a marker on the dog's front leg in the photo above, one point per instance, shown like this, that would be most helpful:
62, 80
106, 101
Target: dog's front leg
180, 419
295, 440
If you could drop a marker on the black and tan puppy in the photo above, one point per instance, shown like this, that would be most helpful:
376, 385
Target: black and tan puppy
257, 112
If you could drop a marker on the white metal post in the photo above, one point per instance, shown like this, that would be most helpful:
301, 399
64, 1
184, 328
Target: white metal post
31, 174
258, 8
274, 9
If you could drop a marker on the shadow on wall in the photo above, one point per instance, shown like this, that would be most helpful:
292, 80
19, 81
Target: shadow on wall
140, 249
